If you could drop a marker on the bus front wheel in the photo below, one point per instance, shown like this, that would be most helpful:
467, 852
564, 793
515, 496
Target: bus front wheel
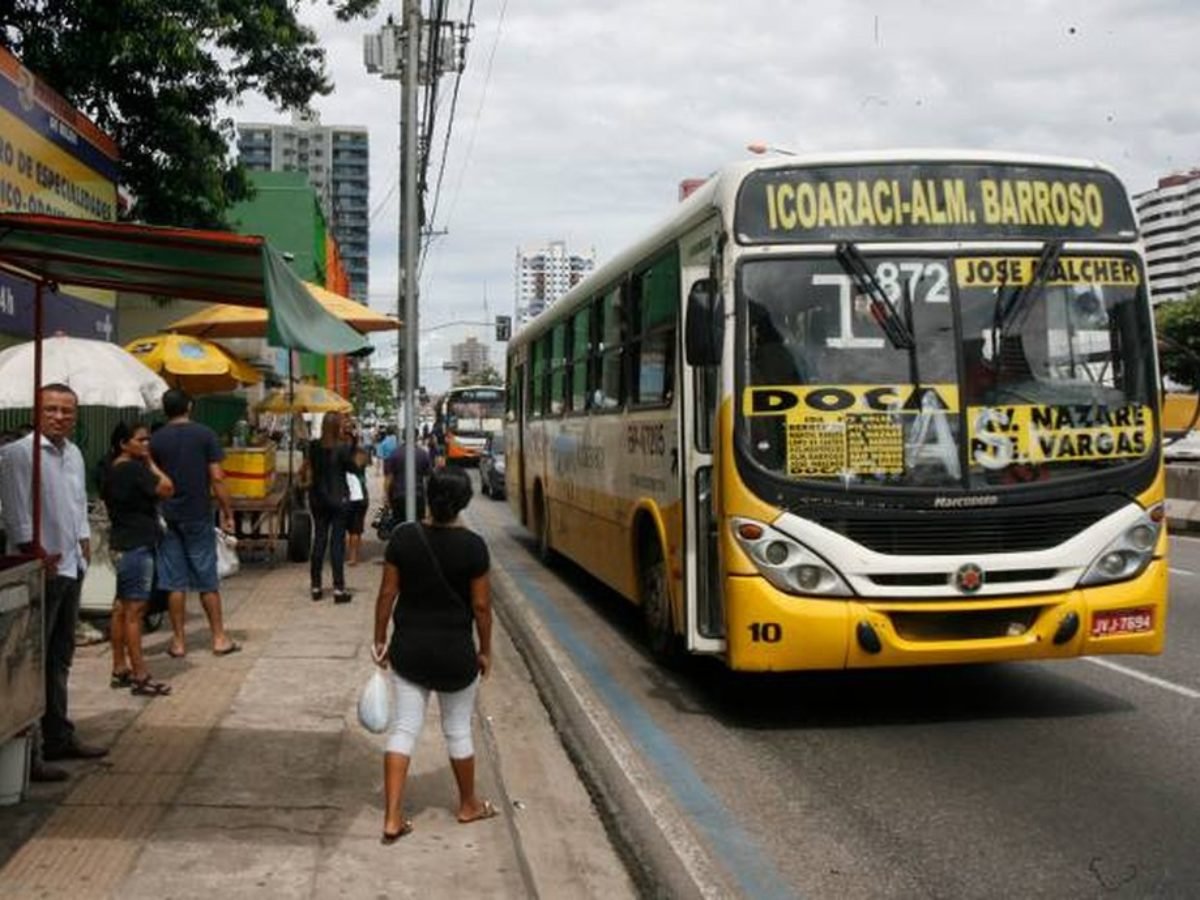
656, 605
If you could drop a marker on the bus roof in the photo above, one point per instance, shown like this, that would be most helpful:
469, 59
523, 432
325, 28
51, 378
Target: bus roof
719, 192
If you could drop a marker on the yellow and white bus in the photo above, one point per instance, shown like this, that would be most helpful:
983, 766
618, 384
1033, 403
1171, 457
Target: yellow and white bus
861, 410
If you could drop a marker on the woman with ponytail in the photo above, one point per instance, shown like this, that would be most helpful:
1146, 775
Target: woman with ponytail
131, 487
435, 592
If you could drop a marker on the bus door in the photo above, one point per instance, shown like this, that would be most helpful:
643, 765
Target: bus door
517, 455
699, 390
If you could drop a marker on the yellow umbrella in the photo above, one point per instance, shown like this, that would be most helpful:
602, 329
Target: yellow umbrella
196, 366
359, 317
304, 398
221, 320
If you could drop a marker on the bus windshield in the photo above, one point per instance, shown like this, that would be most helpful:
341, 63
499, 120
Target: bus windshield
1020, 368
475, 411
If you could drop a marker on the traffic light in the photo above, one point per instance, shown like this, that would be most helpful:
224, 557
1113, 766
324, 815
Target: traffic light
464, 368
503, 328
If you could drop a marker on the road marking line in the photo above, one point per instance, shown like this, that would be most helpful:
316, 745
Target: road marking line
1149, 679
1175, 571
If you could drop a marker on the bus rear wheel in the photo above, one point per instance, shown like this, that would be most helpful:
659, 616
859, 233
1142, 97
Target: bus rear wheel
655, 594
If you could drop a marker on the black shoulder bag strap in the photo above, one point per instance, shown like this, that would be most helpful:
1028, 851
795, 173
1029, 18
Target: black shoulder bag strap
437, 566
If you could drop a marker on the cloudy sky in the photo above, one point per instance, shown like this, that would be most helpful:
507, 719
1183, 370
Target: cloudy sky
576, 119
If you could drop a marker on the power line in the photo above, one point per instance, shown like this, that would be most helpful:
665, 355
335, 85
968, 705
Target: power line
487, 79
437, 190
433, 61
388, 196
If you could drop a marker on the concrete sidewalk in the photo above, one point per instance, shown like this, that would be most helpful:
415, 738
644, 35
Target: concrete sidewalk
254, 778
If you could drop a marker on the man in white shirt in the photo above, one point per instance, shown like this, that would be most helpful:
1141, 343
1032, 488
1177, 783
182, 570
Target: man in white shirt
65, 543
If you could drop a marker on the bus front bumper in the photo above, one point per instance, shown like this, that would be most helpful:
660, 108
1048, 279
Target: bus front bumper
768, 630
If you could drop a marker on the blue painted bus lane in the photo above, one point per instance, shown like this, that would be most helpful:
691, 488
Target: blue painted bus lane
732, 847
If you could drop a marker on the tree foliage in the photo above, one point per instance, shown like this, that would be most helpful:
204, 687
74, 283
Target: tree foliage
486, 375
374, 391
152, 73
1179, 346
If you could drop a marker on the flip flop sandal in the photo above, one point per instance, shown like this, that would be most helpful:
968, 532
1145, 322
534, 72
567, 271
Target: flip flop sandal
225, 651
148, 687
176, 654
486, 811
121, 680
388, 838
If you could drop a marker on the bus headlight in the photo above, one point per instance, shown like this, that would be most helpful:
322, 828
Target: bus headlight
786, 563
1129, 553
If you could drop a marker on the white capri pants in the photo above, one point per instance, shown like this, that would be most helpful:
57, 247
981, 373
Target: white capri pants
409, 702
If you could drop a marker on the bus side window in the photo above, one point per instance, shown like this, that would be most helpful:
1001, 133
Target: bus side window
547, 366
558, 369
654, 314
611, 389
539, 376
580, 358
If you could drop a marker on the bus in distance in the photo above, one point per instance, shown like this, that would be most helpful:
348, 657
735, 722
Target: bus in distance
860, 410
465, 416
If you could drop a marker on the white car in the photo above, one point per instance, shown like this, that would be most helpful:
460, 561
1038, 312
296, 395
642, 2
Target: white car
1185, 449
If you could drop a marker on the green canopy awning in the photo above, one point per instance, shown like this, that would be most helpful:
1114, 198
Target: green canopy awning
174, 262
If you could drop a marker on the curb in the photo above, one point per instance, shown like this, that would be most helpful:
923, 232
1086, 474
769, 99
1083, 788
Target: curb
505, 801
655, 866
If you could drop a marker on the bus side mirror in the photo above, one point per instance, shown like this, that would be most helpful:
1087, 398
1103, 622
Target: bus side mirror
705, 326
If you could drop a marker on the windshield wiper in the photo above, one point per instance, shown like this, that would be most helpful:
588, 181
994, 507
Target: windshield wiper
882, 309
1009, 317
914, 365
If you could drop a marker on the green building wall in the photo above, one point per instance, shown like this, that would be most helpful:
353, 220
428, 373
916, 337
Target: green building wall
285, 210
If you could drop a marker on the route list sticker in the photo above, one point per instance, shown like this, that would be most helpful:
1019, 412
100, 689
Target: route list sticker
847, 429
815, 446
874, 443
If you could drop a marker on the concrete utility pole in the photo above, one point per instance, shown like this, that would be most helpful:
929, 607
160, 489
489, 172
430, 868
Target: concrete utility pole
409, 236
396, 52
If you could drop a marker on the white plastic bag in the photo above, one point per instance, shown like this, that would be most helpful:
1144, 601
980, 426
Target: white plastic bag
375, 703
227, 558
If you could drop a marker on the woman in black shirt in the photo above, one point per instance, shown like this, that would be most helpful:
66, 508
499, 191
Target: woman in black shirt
435, 590
324, 471
133, 485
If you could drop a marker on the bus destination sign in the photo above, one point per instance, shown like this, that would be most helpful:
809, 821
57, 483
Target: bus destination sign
932, 201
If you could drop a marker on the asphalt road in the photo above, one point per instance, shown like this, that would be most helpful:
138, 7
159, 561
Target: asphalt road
1071, 779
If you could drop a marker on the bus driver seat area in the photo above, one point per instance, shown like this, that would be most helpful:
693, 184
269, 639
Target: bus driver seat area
773, 360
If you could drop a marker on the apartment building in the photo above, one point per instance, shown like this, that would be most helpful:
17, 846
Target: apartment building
336, 159
543, 274
1170, 220
469, 357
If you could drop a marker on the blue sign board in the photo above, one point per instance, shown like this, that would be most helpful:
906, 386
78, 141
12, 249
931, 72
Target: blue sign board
62, 313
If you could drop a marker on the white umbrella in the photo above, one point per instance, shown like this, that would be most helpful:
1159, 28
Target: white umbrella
102, 374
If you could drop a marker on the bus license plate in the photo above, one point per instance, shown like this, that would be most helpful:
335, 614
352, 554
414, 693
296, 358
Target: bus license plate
1122, 621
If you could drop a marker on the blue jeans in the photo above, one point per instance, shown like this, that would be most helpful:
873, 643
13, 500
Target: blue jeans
329, 530
135, 573
187, 557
